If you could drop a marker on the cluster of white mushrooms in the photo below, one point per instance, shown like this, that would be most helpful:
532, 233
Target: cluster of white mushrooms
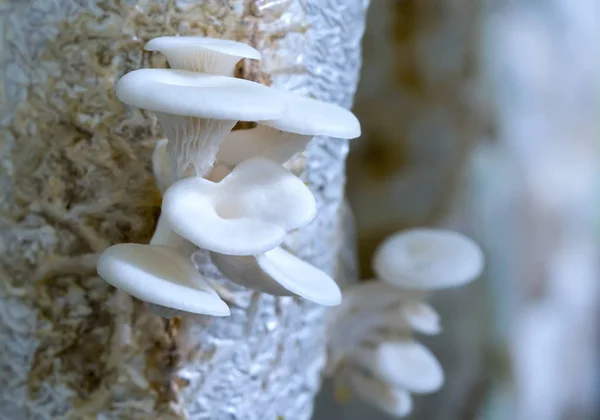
224, 191
371, 346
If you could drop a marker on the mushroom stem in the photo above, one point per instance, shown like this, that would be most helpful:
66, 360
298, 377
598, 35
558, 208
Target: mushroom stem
164, 235
193, 141
211, 62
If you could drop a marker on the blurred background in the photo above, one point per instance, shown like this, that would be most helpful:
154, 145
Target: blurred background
482, 117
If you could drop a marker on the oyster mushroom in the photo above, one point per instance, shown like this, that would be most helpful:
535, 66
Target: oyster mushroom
161, 276
280, 273
202, 54
197, 110
421, 317
426, 259
394, 401
281, 138
402, 363
247, 213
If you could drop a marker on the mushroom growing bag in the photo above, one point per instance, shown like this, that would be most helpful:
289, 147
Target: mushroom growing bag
75, 177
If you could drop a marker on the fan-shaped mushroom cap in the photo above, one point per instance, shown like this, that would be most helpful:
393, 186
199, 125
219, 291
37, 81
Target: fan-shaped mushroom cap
185, 93
159, 275
202, 54
403, 363
312, 117
428, 259
421, 317
197, 110
248, 213
281, 138
270, 143
280, 273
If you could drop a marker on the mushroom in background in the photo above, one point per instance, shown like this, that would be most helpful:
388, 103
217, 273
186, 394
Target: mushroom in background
371, 349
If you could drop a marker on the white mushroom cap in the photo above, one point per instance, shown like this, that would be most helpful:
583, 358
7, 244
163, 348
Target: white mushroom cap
248, 213
159, 275
270, 143
281, 138
421, 317
403, 363
196, 110
311, 117
392, 400
280, 273
428, 259
202, 54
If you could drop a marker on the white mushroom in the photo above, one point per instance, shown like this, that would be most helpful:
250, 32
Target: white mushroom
428, 259
421, 317
392, 400
202, 54
161, 276
196, 110
280, 273
249, 212
402, 363
281, 138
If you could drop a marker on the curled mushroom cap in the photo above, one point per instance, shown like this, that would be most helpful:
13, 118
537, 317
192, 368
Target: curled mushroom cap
428, 259
202, 54
281, 138
270, 143
403, 363
159, 275
392, 400
196, 110
280, 273
247, 213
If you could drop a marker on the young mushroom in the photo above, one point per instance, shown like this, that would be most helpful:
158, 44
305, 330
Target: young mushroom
281, 138
370, 333
161, 276
197, 110
394, 401
402, 363
249, 212
426, 259
280, 273
202, 54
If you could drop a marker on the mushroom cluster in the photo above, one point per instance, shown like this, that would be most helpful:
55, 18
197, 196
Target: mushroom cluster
227, 192
372, 351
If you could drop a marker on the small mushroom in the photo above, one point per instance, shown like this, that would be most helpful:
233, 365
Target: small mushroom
280, 273
161, 276
392, 400
426, 259
197, 110
249, 212
202, 54
421, 317
281, 138
402, 363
